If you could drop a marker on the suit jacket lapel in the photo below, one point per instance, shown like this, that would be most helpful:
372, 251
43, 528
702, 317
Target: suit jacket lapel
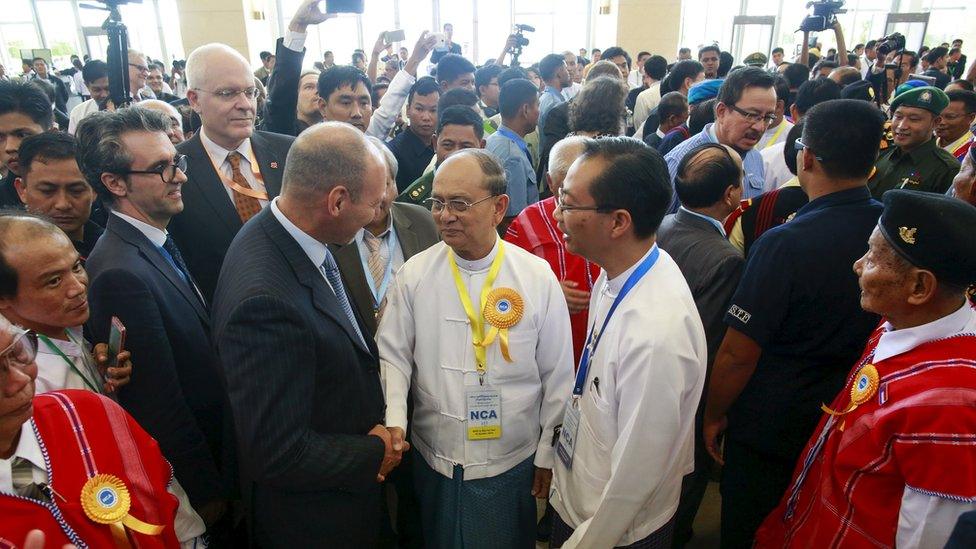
268, 162
203, 180
405, 233
354, 277
147, 249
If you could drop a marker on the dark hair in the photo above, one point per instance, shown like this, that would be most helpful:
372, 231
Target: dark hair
936, 53
967, 98
850, 153
94, 70
265, 55
339, 76
425, 85
725, 61
615, 51
100, 143
672, 103
702, 183
635, 179
47, 87
912, 55
701, 114
656, 67
47, 146
851, 59
705, 49
511, 74
327, 52
28, 100
681, 70
777, 50
954, 51
484, 75
747, 77
870, 44
789, 149
684, 50
457, 115
451, 66
642, 54
796, 74
599, 106
964, 84
358, 55
814, 92
457, 96
594, 50
782, 88
41, 59
826, 64
549, 65
514, 94
374, 94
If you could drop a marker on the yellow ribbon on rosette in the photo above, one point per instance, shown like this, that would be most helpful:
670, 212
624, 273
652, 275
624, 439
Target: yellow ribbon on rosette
106, 500
503, 309
864, 387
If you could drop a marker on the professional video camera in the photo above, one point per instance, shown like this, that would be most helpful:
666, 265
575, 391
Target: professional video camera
117, 56
824, 15
893, 42
520, 42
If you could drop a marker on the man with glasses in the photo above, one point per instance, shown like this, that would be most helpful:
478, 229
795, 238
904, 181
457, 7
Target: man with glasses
139, 276
477, 331
954, 132
33, 429
794, 324
139, 76
234, 170
746, 107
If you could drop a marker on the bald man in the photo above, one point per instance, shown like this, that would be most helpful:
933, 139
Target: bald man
298, 363
175, 132
234, 171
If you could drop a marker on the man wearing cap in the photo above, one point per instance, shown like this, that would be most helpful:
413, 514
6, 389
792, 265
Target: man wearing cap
893, 460
915, 162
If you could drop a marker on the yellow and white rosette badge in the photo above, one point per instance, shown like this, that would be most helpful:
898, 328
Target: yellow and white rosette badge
503, 309
105, 500
864, 387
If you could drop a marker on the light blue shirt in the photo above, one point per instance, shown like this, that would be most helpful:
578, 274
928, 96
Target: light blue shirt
550, 98
519, 174
752, 164
711, 220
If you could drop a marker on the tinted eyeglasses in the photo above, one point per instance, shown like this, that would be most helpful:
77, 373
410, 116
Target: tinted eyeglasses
800, 145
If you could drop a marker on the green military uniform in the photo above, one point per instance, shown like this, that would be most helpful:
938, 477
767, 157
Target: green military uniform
926, 167
418, 191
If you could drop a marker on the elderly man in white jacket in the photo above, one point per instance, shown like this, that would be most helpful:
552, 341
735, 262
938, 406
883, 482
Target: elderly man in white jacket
477, 332
627, 434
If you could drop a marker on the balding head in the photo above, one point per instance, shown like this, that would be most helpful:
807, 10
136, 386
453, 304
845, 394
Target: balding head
175, 132
211, 60
19, 229
561, 157
710, 177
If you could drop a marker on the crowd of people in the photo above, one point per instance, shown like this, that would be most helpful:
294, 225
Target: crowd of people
410, 301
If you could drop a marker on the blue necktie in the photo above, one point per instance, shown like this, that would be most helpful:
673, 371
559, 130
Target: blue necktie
335, 280
174, 253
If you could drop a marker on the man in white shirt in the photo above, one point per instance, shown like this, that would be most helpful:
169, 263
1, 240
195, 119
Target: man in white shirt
95, 75
777, 130
478, 333
655, 68
635, 78
627, 433
575, 74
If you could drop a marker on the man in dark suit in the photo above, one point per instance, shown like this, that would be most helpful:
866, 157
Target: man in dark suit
300, 367
138, 275
233, 170
709, 184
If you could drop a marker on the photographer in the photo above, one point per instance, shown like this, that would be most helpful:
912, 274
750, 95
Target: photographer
841, 45
892, 66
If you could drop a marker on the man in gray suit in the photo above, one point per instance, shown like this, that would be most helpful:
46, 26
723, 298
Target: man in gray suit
300, 368
709, 183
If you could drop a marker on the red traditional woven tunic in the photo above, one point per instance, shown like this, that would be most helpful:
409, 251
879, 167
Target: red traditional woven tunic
82, 434
899, 467
535, 230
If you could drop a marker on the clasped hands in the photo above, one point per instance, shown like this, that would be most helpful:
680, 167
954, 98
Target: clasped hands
394, 447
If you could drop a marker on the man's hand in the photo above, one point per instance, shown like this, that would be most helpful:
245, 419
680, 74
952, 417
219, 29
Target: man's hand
115, 376
540, 486
381, 44
400, 444
711, 431
577, 300
425, 44
35, 540
390, 458
308, 14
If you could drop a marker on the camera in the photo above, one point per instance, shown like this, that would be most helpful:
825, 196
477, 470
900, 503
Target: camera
893, 42
824, 15
520, 41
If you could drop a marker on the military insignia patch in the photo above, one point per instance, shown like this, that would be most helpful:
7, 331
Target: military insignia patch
925, 96
906, 234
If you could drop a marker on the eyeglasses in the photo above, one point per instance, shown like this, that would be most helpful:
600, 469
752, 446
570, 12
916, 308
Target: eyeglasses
800, 145
754, 117
166, 173
141, 68
22, 350
561, 204
456, 205
230, 95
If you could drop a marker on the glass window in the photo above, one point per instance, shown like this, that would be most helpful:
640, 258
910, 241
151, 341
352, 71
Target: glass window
460, 14
377, 18
140, 20
60, 31
16, 37
494, 26
16, 11
171, 31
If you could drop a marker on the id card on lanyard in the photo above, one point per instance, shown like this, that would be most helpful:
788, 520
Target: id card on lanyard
566, 446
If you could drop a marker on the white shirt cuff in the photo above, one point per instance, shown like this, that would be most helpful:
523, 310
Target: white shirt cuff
295, 41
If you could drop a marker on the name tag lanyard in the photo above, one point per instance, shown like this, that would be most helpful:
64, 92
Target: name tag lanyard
380, 293
71, 365
246, 191
477, 320
591, 341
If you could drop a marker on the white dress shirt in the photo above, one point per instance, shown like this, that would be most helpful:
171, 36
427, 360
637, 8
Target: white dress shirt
647, 100
315, 250
218, 156
424, 341
154, 234
775, 167
635, 440
54, 373
79, 113
389, 244
572, 90
775, 135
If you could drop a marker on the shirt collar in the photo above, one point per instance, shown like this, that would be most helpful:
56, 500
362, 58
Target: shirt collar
156, 236
896, 342
507, 132
660, 133
386, 232
478, 264
28, 447
70, 347
836, 198
709, 130
922, 152
315, 250
711, 220
616, 283
219, 154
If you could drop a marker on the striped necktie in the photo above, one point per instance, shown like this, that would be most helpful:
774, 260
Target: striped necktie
22, 477
377, 267
335, 280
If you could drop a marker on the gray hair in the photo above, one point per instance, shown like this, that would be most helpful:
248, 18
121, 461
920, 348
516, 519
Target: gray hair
564, 153
196, 62
324, 156
599, 106
100, 146
494, 174
391, 161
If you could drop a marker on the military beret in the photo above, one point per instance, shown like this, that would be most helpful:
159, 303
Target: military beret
704, 90
858, 90
929, 98
756, 59
933, 232
909, 85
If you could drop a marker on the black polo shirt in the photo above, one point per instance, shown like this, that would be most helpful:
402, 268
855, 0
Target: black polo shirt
412, 155
8, 194
800, 301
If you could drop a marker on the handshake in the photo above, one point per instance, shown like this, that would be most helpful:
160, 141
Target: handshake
395, 446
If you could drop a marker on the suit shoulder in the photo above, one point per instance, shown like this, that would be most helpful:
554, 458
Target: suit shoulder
413, 211
279, 139
947, 158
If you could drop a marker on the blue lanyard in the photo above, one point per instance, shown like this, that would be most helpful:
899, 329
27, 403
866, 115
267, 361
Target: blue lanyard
513, 137
591, 344
388, 274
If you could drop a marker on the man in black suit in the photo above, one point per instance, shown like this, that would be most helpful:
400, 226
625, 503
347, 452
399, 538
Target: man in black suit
709, 184
300, 367
61, 93
233, 170
138, 275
